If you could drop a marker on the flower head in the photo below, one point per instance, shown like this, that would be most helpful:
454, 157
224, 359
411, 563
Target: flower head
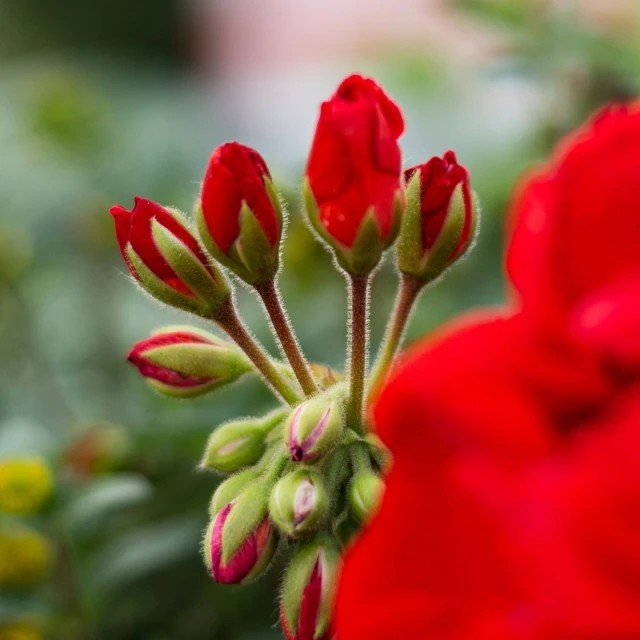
354, 196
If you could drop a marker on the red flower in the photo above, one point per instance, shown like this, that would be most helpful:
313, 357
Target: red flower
134, 230
512, 511
236, 174
355, 161
438, 181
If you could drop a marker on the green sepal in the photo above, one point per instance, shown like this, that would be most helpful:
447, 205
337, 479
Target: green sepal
254, 250
250, 257
247, 513
313, 214
233, 445
277, 203
210, 287
162, 291
410, 244
363, 257
201, 360
192, 391
231, 488
298, 575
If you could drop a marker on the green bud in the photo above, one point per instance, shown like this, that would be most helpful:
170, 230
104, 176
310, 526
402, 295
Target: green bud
231, 488
184, 361
365, 494
314, 428
299, 502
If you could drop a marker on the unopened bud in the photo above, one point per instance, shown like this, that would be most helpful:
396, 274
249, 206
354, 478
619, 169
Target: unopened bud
309, 590
365, 494
166, 259
313, 428
439, 222
241, 540
185, 361
236, 444
239, 213
298, 502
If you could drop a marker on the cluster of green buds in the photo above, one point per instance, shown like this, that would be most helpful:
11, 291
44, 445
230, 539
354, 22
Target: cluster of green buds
307, 476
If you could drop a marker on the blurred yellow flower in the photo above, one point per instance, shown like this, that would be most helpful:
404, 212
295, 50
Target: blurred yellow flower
25, 484
20, 631
25, 557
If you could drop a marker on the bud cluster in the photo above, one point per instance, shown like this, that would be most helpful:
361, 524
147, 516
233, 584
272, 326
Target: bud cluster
307, 476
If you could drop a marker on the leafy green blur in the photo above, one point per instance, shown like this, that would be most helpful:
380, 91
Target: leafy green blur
99, 102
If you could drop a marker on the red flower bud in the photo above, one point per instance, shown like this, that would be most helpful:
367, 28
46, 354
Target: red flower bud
250, 556
439, 220
239, 214
163, 255
185, 361
354, 168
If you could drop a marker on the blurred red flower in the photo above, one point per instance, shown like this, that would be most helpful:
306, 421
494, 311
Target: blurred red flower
355, 160
513, 508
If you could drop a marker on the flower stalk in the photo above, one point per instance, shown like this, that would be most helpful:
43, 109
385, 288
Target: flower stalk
359, 300
408, 292
270, 297
227, 318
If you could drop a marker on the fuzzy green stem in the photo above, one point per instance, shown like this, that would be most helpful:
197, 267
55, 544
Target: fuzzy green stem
268, 292
358, 359
335, 469
410, 288
276, 466
228, 320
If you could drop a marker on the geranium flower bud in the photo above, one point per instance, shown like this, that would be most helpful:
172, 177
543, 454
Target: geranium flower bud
185, 362
231, 488
239, 443
352, 189
240, 540
440, 217
166, 259
309, 590
313, 428
365, 494
298, 502
239, 214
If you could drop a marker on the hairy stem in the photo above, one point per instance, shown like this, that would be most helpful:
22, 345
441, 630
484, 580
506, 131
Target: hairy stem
410, 288
228, 319
268, 292
358, 358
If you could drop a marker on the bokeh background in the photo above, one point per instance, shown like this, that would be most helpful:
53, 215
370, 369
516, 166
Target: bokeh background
103, 100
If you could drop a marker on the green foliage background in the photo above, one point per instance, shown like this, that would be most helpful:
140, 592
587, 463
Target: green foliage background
98, 103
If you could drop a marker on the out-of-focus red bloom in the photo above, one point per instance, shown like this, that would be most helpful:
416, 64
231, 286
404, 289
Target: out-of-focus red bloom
134, 229
439, 178
236, 174
355, 161
512, 511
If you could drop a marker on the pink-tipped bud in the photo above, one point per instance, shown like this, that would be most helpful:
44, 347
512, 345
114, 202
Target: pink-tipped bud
298, 502
185, 361
314, 428
241, 540
308, 593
